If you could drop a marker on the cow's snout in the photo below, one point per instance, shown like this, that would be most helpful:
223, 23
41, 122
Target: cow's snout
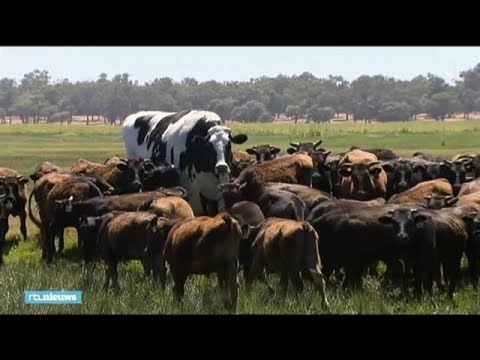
221, 169
402, 237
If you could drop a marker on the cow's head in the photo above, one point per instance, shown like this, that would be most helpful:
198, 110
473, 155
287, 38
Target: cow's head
456, 172
231, 192
438, 201
400, 174
308, 147
213, 152
319, 158
64, 205
363, 176
405, 223
131, 174
263, 152
10, 187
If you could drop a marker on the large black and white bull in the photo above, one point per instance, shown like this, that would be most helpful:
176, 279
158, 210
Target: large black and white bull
196, 142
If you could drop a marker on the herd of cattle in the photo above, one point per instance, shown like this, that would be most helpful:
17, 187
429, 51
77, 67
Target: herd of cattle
183, 197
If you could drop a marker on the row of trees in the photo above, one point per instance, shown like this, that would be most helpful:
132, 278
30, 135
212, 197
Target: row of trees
36, 98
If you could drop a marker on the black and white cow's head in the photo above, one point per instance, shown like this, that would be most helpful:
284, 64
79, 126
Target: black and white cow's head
212, 152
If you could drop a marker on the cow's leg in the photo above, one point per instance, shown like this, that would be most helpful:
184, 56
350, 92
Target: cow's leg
159, 270
231, 288
179, 278
319, 281
147, 263
49, 244
23, 223
284, 282
255, 270
472, 268
108, 275
296, 281
61, 240
195, 201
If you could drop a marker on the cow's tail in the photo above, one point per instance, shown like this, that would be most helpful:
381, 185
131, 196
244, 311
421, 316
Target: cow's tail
310, 247
30, 212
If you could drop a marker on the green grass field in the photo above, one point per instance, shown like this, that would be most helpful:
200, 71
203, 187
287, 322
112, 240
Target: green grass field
24, 146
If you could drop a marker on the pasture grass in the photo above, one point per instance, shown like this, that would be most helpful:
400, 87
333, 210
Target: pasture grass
24, 146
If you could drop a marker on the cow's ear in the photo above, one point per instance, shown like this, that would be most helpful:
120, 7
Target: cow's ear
326, 153
250, 151
388, 166
35, 177
375, 171
469, 217
291, 150
122, 166
239, 138
420, 218
345, 171
275, 150
385, 219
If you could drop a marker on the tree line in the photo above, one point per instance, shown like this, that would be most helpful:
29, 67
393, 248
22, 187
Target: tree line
36, 98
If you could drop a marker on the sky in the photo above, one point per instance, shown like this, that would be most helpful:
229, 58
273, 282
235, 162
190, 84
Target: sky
236, 63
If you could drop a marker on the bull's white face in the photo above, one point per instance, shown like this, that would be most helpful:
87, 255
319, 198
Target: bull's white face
219, 137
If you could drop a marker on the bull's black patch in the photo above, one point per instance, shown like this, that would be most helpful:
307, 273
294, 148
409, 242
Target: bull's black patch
143, 124
199, 151
155, 139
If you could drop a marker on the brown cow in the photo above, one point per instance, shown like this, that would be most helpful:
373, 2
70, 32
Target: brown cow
43, 168
289, 248
124, 176
470, 187
416, 194
363, 176
294, 169
54, 194
170, 207
473, 198
205, 245
3, 226
129, 236
13, 186
241, 160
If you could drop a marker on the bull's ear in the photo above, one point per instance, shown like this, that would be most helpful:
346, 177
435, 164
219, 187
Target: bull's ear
22, 179
345, 171
275, 150
375, 171
419, 218
291, 150
122, 166
420, 167
239, 138
388, 166
452, 200
34, 177
325, 154
250, 151
152, 224
469, 217
58, 202
317, 144
385, 219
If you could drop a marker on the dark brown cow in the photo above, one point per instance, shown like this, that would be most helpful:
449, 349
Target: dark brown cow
473, 198
129, 236
3, 226
307, 147
263, 152
56, 212
125, 202
346, 204
311, 197
282, 204
294, 169
205, 245
289, 248
170, 207
124, 176
13, 186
